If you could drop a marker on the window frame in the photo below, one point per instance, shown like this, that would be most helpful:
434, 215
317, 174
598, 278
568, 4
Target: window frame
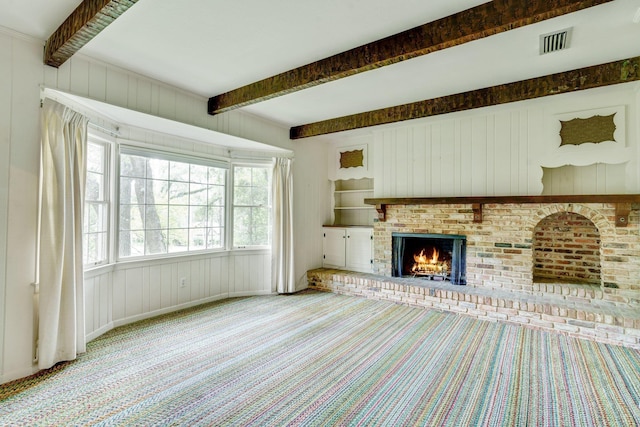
268, 165
98, 137
115, 146
168, 154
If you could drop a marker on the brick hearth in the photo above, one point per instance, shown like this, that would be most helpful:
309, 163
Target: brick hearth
563, 308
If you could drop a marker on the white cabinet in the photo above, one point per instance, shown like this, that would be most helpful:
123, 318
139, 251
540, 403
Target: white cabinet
349, 248
333, 247
359, 249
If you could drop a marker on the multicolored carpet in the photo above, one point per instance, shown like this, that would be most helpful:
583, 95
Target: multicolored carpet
323, 359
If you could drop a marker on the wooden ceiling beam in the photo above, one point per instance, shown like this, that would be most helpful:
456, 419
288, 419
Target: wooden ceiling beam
626, 70
84, 23
472, 24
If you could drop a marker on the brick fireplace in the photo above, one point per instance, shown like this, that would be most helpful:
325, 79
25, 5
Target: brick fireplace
575, 243
556, 264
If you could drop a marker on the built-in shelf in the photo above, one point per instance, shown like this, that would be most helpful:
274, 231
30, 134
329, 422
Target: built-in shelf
349, 207
623, 202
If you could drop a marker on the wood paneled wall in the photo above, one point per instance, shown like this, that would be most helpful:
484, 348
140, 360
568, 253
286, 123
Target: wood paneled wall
502, 150
128, 292
470, 156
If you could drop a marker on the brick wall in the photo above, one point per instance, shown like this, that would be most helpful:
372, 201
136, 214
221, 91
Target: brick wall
567, 246
500, 250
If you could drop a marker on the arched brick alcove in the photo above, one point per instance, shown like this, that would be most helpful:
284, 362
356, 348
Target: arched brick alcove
566, 248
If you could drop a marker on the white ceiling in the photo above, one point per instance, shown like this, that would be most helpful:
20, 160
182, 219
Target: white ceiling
212, 46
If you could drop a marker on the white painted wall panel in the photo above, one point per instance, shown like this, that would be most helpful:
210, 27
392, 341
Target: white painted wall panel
420, 166
105, 302
80, 81
133, 295
166, 286
6, 73
24, 59
500, 150
447, 157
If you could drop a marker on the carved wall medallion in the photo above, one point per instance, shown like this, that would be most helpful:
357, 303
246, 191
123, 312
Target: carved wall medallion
594, 129
351, 159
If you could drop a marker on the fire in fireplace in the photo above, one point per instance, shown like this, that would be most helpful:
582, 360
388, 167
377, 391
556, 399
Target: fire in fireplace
429, 256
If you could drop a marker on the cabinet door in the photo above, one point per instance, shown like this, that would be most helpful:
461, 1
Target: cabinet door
334, 247
359, 249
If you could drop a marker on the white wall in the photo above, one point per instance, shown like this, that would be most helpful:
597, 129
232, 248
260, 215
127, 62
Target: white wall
120, 294
126, 292
501, 150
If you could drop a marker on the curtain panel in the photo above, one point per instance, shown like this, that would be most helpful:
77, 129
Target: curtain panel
282, 241
61, 334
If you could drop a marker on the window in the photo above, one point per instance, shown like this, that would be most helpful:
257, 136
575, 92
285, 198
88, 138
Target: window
96, 205
251, 206
169, 204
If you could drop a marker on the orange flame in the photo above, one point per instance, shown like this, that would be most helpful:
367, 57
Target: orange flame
425, 264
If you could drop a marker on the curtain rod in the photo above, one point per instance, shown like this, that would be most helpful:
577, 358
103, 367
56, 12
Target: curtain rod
108, 131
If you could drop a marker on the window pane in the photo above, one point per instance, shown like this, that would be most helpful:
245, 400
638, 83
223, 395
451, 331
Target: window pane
166, 206
157, 217
131, 243
157, 192
198, 194
199, 174
214, 238
178, 216
156, 242
260, 217
178, 240
197, 239
94, 218
96, 207
242, 176
260, 177
179, 193
251, 211
260, 235
95, 158
215, 217
217, 176
242, 196
198, 217
132, 166
94, 186
131, 218
158, 169
216, 195
127, 193
260, 196
241, 226
179, 171
94, 248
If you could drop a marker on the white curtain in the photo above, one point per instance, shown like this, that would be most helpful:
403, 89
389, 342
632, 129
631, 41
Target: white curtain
61, 334
282, 246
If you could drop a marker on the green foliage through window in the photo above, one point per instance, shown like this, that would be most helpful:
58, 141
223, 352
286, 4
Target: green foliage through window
96, 207
169, 206
251, 206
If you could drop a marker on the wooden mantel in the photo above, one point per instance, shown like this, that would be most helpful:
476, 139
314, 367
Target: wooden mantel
622, 203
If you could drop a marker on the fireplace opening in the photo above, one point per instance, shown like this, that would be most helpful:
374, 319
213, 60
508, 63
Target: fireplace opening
429, 256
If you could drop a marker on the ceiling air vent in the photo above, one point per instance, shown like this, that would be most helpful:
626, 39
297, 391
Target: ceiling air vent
553, 42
